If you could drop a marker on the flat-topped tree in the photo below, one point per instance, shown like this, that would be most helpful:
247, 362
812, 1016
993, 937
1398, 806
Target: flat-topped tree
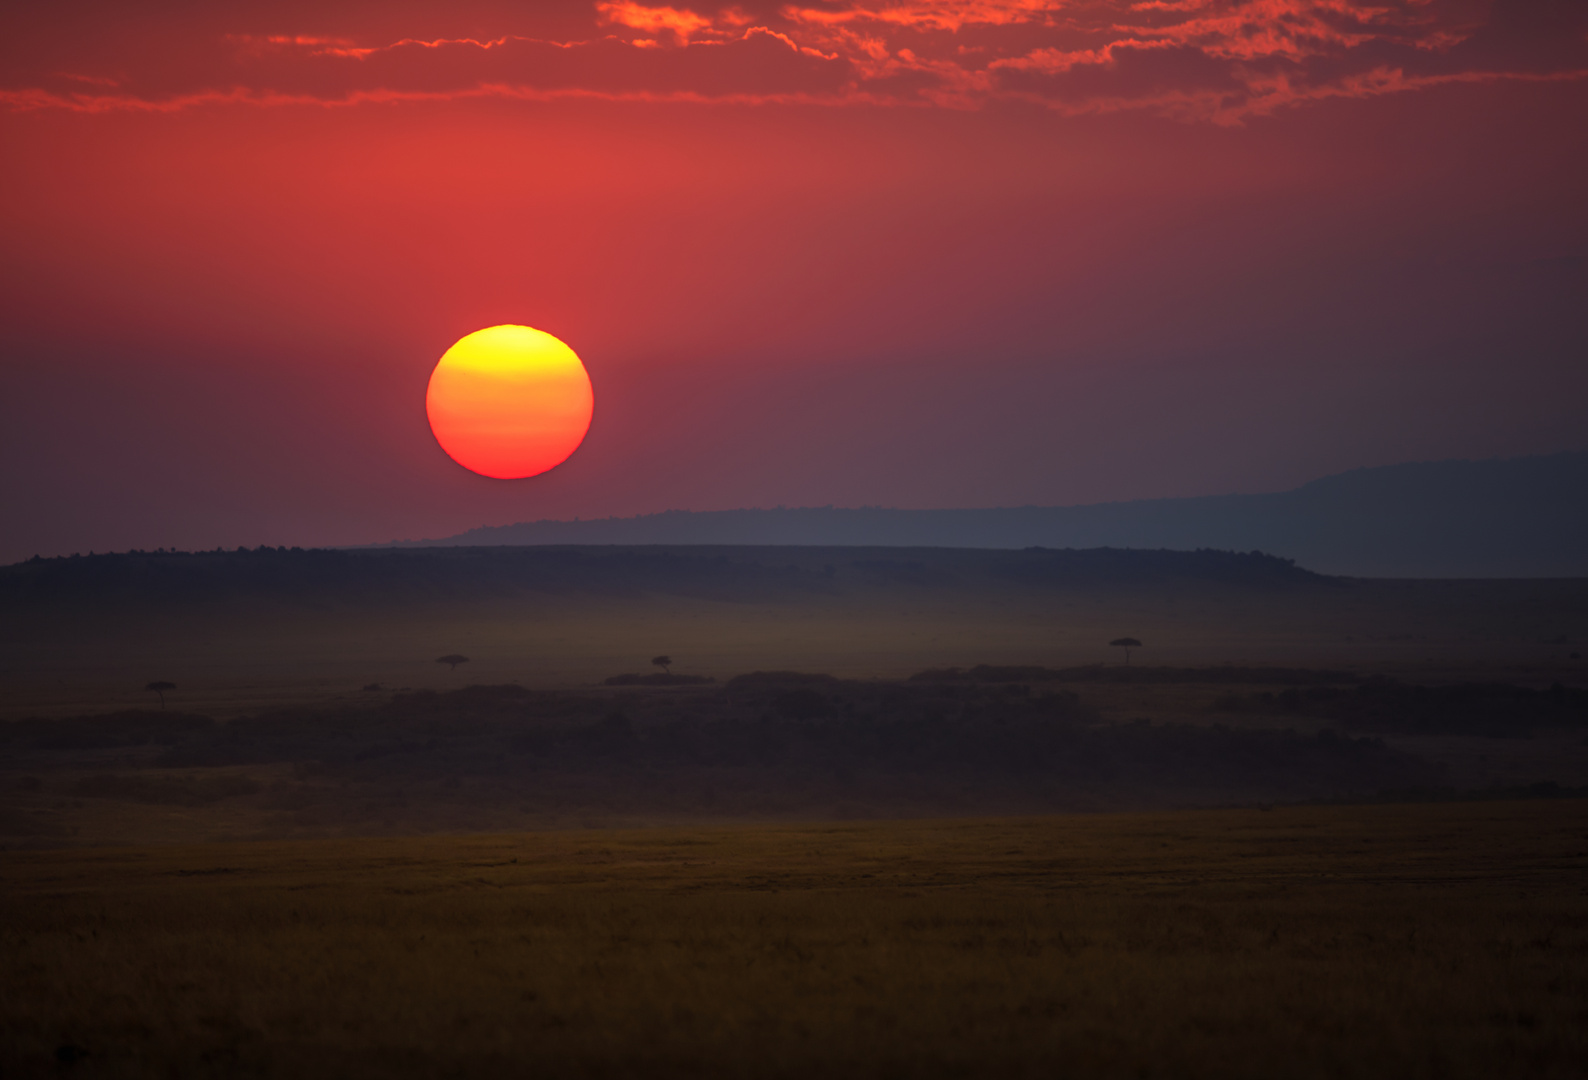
160, 688
452, 660
1126, 643
663, 662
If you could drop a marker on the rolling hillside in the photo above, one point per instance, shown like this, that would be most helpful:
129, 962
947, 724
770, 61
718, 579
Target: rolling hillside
1520, 517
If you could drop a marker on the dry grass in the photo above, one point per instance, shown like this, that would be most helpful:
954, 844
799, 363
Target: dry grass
1407, 941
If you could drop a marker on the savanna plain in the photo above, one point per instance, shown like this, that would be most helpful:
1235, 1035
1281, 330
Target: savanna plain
881, 813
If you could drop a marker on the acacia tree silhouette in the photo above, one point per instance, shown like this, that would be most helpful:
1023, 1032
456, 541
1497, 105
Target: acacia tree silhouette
1126, 643
452, 660
663, 662
160, 688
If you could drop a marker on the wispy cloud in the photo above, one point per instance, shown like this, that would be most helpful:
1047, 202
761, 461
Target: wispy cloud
1220, 61
681, 23
944, 15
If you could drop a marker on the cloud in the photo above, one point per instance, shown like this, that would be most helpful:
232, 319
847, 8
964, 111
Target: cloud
944, 15
1221, 61
680, 23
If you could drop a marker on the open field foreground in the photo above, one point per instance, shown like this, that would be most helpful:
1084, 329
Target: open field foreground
1394, 941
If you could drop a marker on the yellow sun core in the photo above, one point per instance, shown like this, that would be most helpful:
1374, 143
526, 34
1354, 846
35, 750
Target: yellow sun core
509, 402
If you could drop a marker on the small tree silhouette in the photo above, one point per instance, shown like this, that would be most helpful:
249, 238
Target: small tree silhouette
663, 662
452, 660
160, 688
1126, 643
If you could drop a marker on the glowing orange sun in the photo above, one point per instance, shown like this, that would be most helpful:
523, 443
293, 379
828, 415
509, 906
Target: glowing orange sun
509, 402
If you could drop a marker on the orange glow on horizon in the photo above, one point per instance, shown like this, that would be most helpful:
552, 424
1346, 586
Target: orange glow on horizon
509, 402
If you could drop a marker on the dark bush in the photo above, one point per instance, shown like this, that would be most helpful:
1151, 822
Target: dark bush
765, 680
988, 673
1493, 710
135, 727
658, 679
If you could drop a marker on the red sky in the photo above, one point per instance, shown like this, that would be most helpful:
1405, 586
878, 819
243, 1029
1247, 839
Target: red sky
904, 254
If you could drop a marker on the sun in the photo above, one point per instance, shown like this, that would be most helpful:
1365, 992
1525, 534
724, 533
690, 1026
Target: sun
509, 402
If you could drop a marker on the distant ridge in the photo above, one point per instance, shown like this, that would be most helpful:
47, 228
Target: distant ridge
324, 579
1516, 517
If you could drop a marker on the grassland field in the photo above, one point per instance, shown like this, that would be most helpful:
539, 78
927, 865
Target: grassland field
1410, 941
1284, 841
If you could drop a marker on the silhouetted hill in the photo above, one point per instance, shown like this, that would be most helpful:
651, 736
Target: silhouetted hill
376, 577
1520, 517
